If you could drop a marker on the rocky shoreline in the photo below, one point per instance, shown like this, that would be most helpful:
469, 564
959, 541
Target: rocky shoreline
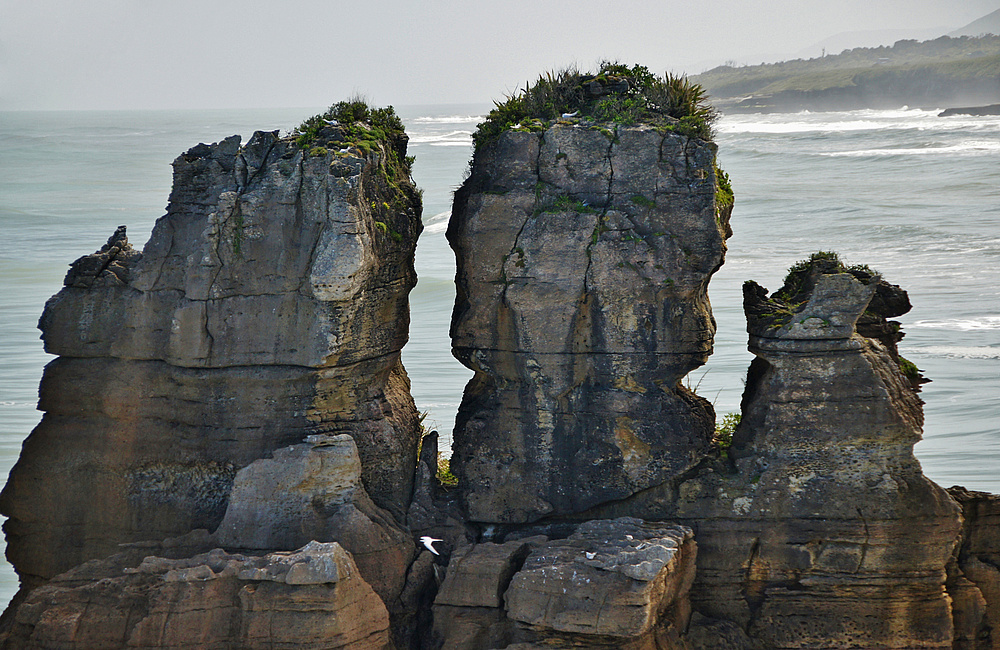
230, 457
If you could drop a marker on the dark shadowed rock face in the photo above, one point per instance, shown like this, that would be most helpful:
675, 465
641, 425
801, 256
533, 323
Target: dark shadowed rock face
270, 303
583, 263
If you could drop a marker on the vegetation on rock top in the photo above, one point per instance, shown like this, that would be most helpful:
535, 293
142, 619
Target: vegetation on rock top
353, 128
353, 124
778, 309
797, 284
616, 93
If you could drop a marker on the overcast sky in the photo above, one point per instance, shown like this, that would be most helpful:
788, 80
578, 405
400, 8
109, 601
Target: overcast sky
107, 54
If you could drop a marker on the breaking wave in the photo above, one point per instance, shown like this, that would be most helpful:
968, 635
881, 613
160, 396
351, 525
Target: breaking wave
438, 223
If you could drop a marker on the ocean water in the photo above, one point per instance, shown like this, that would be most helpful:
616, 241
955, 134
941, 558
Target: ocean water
912, 195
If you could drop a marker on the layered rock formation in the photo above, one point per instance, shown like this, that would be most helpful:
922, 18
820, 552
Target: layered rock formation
242, 375
612, 583
270, 303
583, 264
313, 491
974, 577
822, 532
311, 598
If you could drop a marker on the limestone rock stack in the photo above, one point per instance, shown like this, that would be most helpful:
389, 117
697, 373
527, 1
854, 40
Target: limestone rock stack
269, 304
974, 577
823, 532
584, 252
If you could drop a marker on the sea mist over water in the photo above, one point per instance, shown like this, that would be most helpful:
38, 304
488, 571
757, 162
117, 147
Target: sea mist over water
914, 196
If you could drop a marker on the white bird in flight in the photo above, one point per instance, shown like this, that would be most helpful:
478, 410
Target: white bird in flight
428, 543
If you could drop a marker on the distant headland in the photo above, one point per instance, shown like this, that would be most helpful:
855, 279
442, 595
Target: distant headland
944, 72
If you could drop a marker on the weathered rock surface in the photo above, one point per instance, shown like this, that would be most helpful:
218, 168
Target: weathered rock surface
976, 581
611, 578
583, 264
269, 304
311, 598
478, 575
823, 532
424, 512
612, 583
313, 491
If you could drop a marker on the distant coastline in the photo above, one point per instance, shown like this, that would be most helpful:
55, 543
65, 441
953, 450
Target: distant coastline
941, 73
992, 109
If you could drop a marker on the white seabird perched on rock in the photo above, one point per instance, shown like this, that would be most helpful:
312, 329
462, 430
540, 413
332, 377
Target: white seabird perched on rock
428, 543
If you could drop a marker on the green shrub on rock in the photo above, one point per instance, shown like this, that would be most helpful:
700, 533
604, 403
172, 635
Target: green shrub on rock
356, 125
615, 93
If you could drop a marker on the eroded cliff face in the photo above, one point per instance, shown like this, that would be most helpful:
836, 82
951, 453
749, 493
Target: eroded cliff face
584, 253
270, 303
974, 576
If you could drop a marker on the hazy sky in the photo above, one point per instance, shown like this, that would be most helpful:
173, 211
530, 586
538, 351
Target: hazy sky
104, 54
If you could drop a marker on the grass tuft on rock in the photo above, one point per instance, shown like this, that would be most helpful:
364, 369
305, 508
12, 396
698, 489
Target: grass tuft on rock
724, 430
724, 196
444, 474
615, 93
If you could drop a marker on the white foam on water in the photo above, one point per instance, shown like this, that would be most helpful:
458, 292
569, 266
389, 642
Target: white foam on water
438, 223
968, 148
961, 324
953, 352
855, 121
452, 137
797, 127
449, 119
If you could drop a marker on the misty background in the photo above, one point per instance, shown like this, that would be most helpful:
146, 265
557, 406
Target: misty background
123, 54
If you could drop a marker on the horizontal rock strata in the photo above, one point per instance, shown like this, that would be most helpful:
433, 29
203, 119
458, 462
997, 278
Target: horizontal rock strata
824, 533
310, 598
583, 263
612, 583
269, 304
313, 491
611, 578
974, 579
